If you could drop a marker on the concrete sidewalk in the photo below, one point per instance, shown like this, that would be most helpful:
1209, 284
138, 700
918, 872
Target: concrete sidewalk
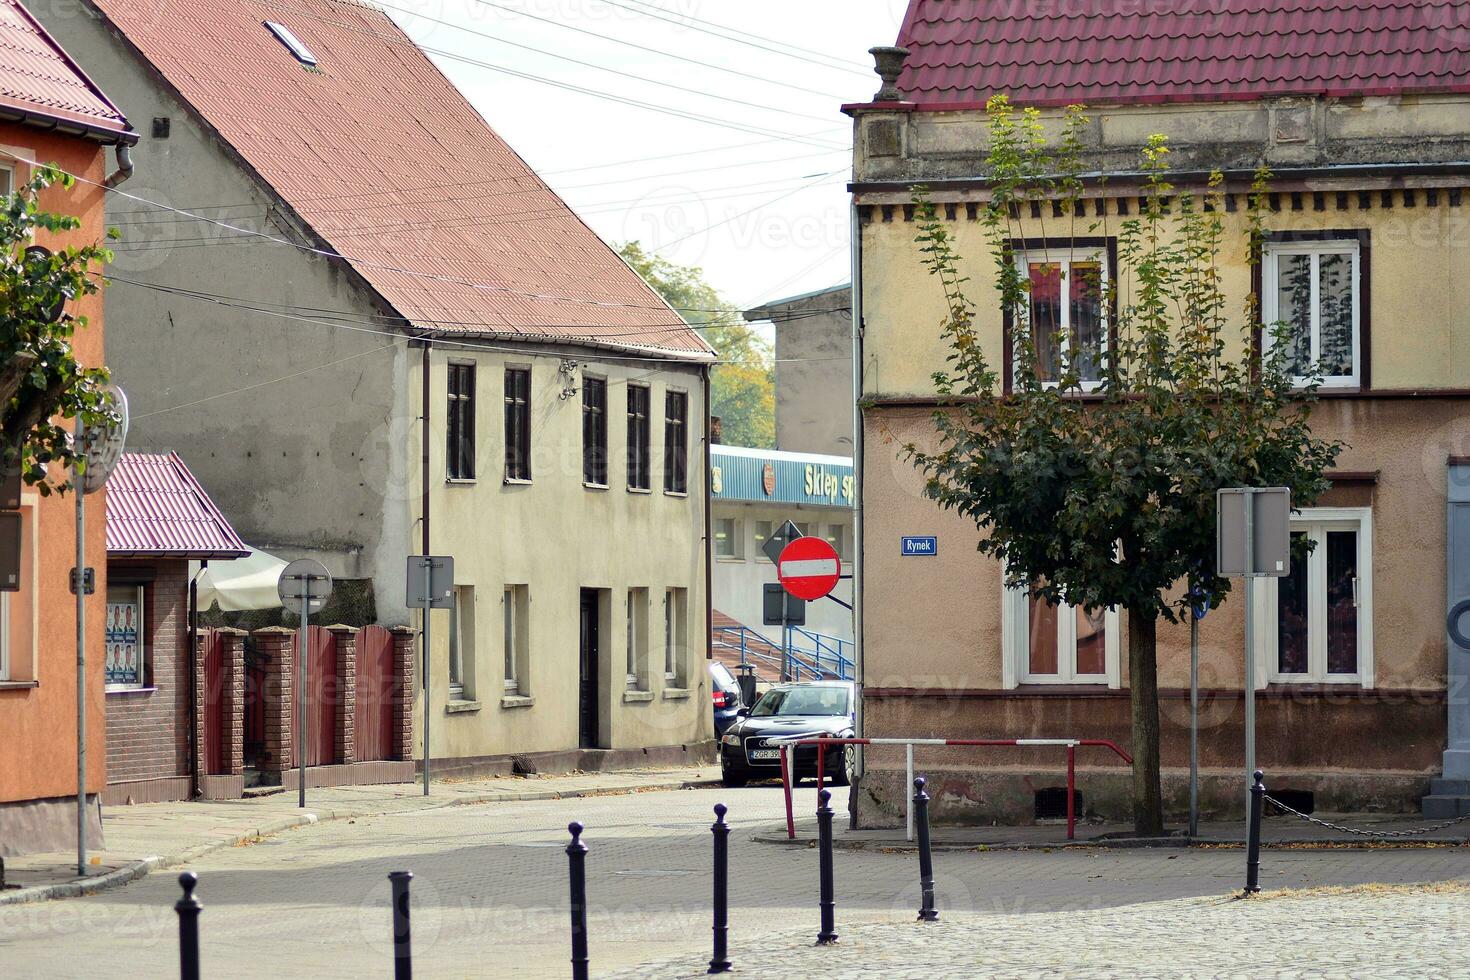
1376, 830
144, 837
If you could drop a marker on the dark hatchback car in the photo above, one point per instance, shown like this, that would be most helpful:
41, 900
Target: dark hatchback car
790, 711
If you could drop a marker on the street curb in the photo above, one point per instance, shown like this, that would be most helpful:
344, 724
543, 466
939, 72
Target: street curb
134, 870
779, 837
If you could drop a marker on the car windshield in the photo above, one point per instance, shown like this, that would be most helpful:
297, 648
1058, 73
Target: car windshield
802, 701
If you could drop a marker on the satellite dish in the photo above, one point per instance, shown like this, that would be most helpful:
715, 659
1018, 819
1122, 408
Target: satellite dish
104, 447
40, 253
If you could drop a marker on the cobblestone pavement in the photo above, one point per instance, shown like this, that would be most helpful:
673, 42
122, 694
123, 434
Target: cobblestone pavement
1356, 934
489, 896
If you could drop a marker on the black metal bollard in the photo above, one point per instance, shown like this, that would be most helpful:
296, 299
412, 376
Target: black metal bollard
1253, 835
927, 912
577, 862
402, 948
188, 908
720, 962
828, 934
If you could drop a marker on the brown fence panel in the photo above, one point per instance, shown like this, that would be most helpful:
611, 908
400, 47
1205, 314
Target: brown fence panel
212, 649
374, 694
322, 693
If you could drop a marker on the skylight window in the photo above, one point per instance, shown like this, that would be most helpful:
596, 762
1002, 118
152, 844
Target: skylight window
293, 43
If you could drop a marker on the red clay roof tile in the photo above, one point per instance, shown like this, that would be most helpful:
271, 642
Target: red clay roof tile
1091, 51
39, 80
387, 162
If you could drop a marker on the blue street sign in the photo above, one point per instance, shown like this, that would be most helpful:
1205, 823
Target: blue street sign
920, 546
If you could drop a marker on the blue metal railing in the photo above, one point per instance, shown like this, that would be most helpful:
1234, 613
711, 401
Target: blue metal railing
805, 654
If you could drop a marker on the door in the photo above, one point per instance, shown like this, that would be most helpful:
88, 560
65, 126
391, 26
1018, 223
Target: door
587, 688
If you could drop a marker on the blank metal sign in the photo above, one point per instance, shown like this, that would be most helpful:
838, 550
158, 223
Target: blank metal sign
1270, 521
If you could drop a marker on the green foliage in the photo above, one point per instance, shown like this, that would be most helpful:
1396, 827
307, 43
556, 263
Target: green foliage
1109, 500
41, 382
744, 383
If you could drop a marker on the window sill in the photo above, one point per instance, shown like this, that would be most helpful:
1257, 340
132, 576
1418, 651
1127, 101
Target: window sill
512, 481
517, 701
18, 685
459, 481
632, 697
676, 694
129, 690
729, 558
677, 493
596, 486
643, 490
461, 707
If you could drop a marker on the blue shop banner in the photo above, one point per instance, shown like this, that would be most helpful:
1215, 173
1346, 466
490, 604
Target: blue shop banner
758, 475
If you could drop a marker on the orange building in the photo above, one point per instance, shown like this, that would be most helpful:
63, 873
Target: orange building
50, 112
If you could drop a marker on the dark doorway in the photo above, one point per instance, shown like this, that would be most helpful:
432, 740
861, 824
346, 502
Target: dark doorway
587, 710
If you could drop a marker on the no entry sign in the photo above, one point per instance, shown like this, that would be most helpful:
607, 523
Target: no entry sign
808, 568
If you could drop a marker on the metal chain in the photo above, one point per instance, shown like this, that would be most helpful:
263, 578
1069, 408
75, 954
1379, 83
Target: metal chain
1367, 833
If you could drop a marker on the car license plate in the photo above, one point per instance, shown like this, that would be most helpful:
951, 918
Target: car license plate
765, 753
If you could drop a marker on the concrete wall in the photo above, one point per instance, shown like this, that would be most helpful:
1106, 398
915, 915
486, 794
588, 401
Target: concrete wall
738, 581
301, 466
813, 371
38, 705
558, 536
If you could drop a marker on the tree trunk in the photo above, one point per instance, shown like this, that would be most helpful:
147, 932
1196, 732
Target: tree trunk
1143, 683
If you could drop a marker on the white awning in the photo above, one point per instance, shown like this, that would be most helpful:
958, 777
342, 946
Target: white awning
240, 584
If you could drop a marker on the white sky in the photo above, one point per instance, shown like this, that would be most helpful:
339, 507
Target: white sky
772, 221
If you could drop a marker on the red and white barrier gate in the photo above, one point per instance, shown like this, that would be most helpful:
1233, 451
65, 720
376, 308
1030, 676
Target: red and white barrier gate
1070, 744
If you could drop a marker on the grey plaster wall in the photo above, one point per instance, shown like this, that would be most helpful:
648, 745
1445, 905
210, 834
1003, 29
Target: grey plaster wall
814, 397
292, 426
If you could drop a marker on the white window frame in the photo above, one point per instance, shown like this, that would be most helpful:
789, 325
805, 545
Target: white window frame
515, 602
9, 171
1317, 521
1016, 640
671, 627
636, 613
1270, 302
1065, 258
143, 637
736, 538
462, 644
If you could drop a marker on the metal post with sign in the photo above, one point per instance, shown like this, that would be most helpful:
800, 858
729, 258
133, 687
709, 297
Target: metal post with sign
775, 544
430, 586
1252, 540
303, 587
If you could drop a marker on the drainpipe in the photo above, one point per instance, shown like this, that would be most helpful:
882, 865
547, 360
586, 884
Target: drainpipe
709, 597
124, 166
195, 763
857, 512
424, 462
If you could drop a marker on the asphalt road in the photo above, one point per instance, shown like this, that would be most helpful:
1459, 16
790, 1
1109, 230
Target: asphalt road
490, 891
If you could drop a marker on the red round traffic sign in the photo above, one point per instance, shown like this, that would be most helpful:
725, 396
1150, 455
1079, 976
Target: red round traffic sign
809, 568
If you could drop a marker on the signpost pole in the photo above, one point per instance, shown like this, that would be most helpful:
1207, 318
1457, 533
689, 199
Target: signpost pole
1250, 660
303, 647
79, 582
428, 610
1193, 723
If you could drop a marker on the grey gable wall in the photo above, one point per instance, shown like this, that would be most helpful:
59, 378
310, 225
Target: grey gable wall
312, 465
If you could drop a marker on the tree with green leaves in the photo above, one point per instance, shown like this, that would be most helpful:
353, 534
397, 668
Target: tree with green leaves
41, 382
1108, 501
744, 382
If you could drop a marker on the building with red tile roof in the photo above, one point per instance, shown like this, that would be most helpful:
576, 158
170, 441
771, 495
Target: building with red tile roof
374, 331
157, 508
1360, 109
964, 51
51, 112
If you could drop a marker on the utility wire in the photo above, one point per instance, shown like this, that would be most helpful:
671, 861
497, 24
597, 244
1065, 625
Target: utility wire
739, 37
658, 51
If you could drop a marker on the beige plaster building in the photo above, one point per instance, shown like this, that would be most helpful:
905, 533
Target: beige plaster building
1356, 677
374, 331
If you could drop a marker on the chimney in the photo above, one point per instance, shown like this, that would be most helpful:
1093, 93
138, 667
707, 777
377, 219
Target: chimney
888, 65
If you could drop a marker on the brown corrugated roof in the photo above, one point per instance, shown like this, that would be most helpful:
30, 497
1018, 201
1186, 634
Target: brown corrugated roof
155, 507
39, 82
388, 163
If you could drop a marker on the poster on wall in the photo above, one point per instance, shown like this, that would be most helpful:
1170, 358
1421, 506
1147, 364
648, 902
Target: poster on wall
124, 645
